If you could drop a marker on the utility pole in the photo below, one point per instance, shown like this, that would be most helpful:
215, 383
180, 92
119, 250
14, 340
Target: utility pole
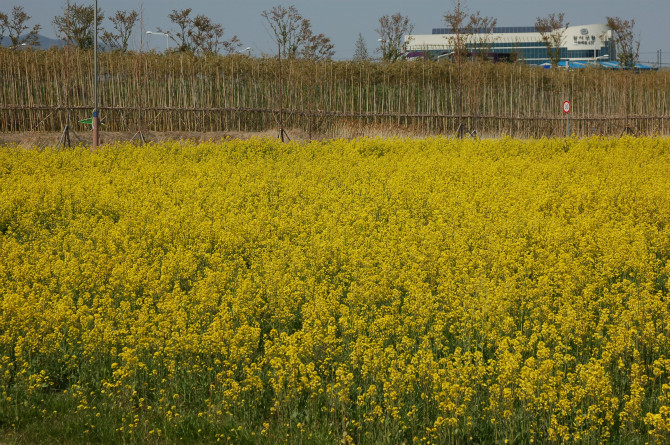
282, 133
659, 58
96, 121
281, 94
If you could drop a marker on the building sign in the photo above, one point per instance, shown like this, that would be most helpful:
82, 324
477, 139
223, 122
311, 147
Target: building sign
584, 39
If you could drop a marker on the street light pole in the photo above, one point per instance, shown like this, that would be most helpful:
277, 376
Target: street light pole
167, 37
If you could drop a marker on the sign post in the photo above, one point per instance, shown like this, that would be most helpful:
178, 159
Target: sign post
566, 109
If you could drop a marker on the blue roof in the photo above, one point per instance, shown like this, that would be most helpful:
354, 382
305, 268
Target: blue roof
602, 64
571, 64
585, 63
610, 65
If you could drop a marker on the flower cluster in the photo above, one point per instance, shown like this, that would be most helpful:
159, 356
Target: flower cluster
365, 291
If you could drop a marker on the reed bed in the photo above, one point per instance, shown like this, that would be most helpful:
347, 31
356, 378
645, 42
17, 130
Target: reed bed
44, 90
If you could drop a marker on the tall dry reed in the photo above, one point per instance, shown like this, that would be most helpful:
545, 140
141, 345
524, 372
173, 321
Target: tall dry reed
180, 92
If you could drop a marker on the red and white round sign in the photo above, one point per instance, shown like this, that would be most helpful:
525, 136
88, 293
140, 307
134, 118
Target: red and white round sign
567, 107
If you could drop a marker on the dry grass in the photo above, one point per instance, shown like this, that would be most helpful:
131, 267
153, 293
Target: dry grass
43, 139
346, 129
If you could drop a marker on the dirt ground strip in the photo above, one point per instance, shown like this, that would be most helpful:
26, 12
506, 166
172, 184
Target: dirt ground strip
346, 130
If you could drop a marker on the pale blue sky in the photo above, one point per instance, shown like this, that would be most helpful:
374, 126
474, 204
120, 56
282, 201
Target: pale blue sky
342, 20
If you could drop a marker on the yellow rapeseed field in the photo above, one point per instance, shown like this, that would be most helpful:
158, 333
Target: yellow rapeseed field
365, 291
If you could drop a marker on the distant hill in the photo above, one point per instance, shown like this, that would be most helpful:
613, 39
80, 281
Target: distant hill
44, 42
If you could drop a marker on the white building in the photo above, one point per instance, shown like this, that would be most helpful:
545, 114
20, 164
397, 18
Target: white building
585, 43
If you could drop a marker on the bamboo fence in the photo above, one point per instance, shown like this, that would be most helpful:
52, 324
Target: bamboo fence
180, 92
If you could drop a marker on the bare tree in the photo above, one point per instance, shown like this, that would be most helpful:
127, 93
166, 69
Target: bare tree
16, 25
479, 32
626, 47
199, 34
231, 45
294, 36
361, 50
552, 29
456, 20
627, 51
206, 35
392, 30
318, 47
468, 34
181, 18
4, 23
123, 23
287, 26
76, 25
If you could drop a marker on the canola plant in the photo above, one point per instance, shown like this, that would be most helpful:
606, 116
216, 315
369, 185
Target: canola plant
365, 291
